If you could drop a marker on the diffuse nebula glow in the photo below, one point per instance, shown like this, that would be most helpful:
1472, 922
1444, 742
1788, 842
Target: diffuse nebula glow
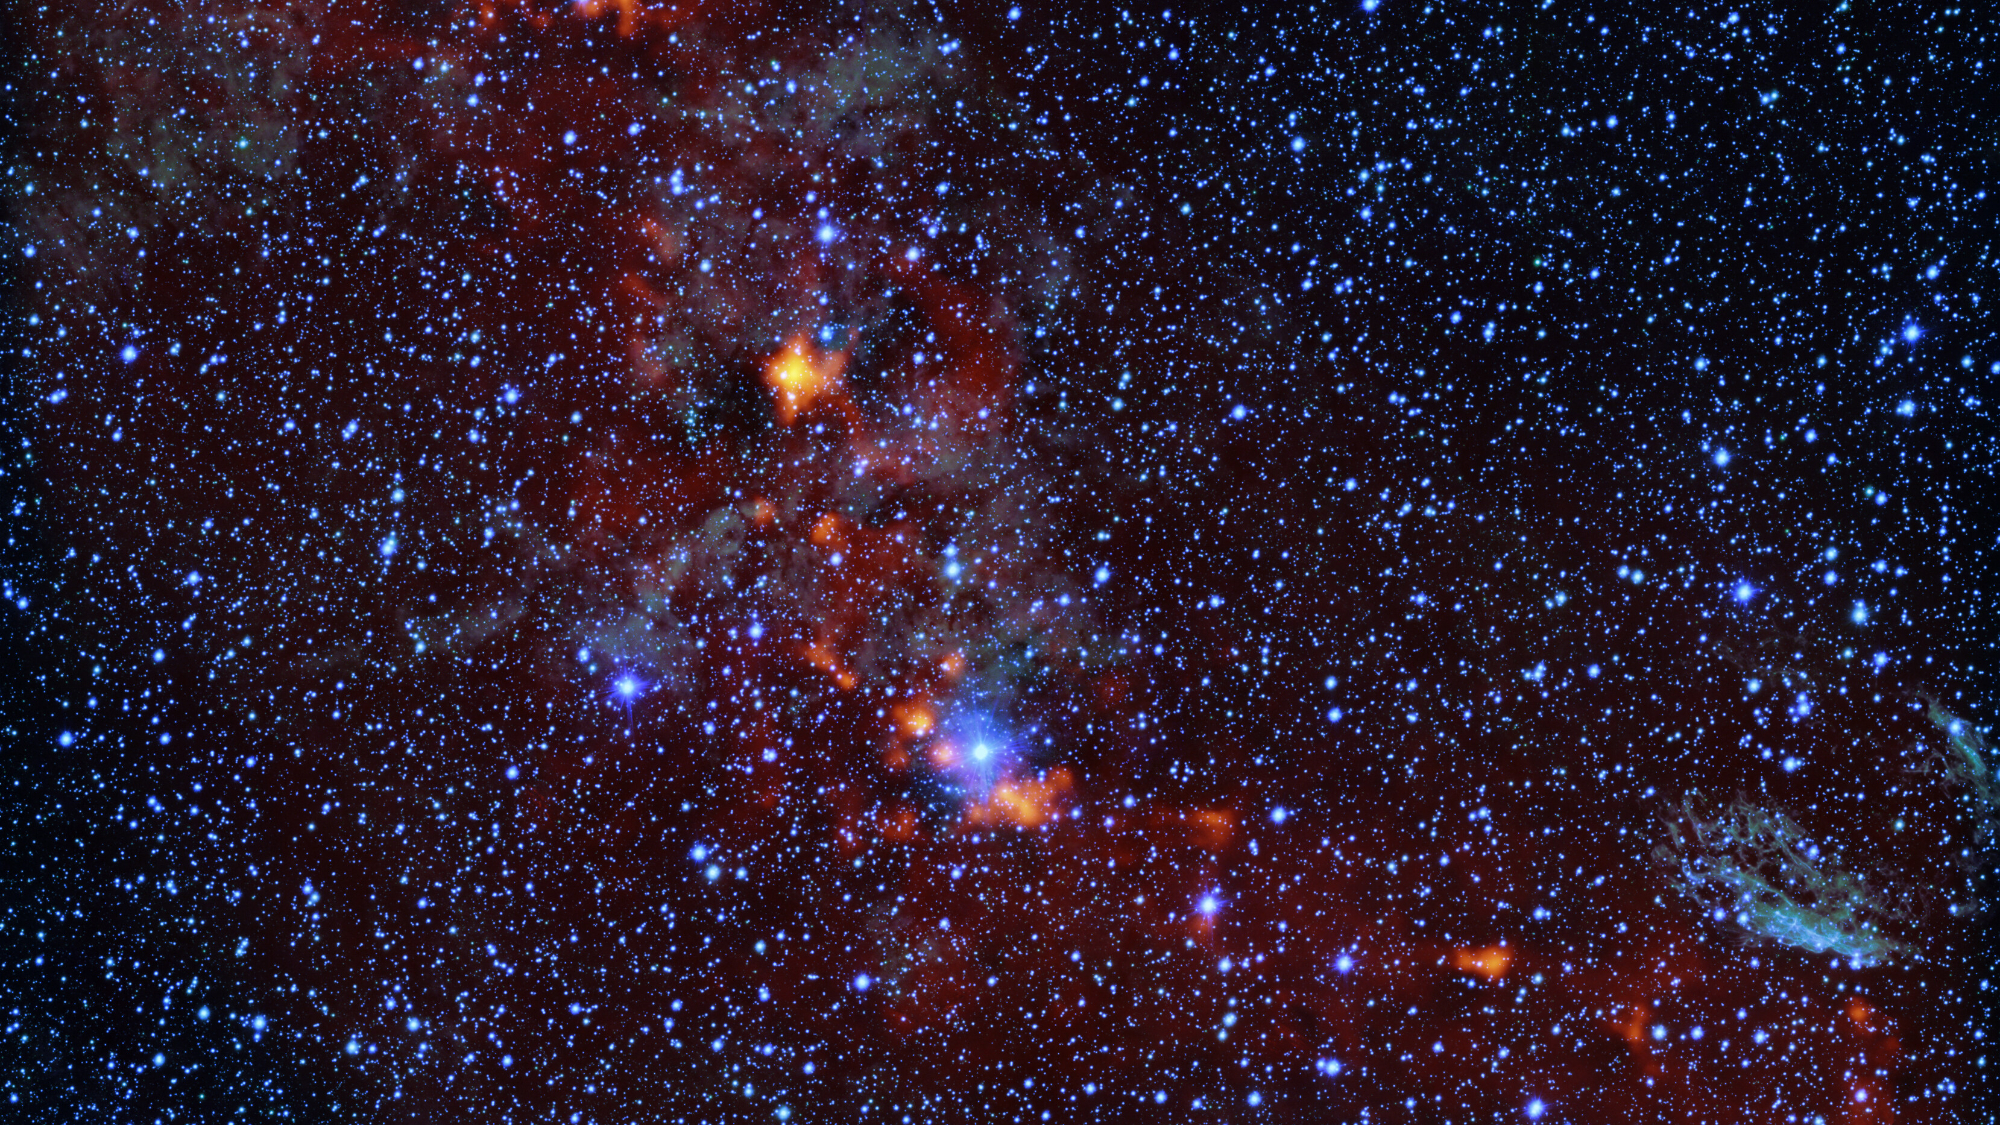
626, 561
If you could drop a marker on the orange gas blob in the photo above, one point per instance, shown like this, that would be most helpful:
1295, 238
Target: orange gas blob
915, 718
1026, 803
1491, 962
800, 374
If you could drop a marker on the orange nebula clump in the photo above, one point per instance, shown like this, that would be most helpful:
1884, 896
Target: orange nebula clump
801, 374
1027, 803
630, 12
1633, 1029
915, 717
825, 661
1491, 962
826, 531
1212, 829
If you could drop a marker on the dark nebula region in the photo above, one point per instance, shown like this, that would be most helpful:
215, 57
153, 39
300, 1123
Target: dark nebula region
622, 561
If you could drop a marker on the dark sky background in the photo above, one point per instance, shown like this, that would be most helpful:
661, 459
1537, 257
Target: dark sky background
904, 562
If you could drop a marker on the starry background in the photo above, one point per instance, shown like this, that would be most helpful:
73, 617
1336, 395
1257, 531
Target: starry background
627, 562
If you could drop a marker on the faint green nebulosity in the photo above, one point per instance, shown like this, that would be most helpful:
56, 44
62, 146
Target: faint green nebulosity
1963, 765
1756, 870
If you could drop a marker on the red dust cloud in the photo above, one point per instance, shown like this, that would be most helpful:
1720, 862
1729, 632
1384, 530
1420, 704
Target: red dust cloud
732, 565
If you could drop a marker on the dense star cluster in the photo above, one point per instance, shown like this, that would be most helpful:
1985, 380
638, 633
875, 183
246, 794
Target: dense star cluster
614, 561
